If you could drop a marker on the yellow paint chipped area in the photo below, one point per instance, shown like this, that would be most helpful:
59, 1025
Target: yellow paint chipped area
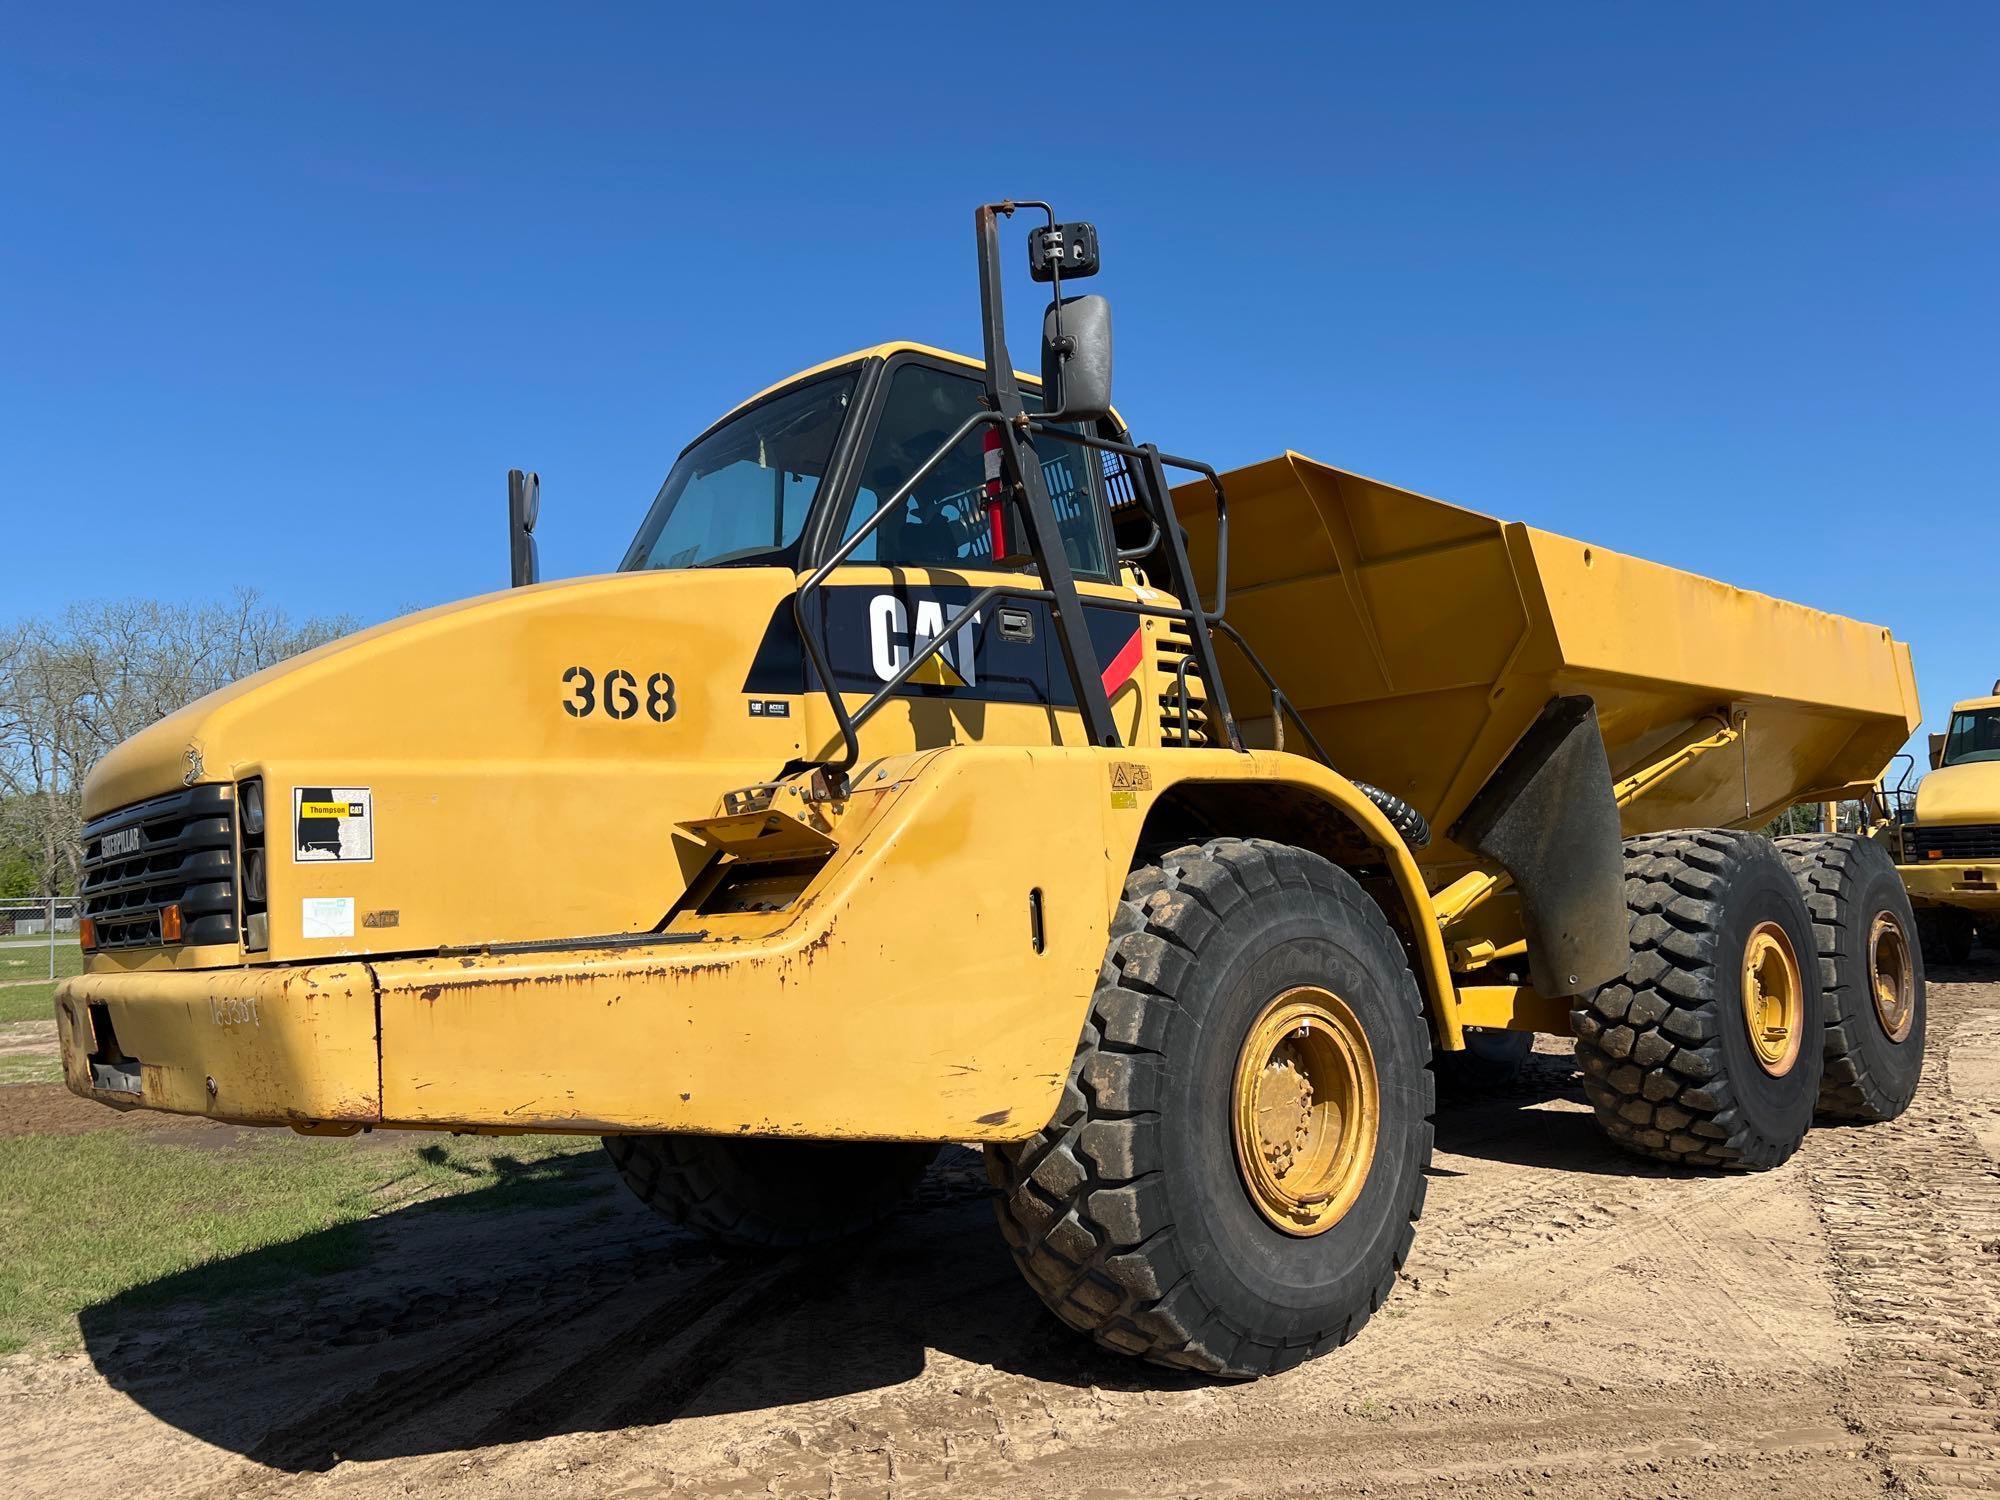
261, 1046
901, 997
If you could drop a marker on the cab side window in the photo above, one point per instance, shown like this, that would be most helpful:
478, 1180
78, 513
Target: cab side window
942, 524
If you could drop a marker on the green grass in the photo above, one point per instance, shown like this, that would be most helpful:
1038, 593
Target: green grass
30, 1067
28, 1002
87, 1220
26, 961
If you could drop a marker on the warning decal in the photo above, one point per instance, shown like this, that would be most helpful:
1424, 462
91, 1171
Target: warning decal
333, 823
1131, 776
1128, 779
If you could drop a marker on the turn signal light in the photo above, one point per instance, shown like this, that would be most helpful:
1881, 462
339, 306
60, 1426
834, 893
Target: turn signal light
86, 934
170, 923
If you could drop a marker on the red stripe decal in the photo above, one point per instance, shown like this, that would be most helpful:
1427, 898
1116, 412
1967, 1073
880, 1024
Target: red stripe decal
1123, 665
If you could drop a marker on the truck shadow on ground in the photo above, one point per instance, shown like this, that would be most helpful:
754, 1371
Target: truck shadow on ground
1540, 1119
562, 1307
553, 1303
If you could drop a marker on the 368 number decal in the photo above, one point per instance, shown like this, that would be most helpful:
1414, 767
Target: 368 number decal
619, 695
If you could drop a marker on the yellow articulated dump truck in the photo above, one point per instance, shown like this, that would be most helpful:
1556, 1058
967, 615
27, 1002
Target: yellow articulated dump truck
934, 770
1951, 845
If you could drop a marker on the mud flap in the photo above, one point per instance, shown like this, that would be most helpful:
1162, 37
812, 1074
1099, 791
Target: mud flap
1549, 816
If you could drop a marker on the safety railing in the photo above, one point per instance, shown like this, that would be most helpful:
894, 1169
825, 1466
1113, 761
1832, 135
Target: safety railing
1153, 495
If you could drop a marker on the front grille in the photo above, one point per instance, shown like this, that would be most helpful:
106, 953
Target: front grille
1923, 843
180, 848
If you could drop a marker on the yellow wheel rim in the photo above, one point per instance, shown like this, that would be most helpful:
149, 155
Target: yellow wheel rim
1307, 1107
1774, 998
1892, 976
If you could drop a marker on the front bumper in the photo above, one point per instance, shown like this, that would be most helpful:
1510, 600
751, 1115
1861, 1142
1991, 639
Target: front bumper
1968, 885
277, 1046
797, 1038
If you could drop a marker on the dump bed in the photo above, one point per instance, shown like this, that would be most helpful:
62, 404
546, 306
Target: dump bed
1420, 640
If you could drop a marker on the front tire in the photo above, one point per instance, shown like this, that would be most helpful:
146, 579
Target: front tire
1234, 1173
1870, 970
769, 1194
1709, 1051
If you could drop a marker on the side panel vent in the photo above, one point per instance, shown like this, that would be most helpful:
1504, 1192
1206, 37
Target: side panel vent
1173, 648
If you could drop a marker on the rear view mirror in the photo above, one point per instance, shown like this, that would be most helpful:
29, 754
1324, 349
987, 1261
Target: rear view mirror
524, 505
1076, 358
1937, 751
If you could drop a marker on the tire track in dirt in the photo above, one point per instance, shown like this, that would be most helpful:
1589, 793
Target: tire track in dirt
1911, 1210
402, 1395
588, 1377
371, 1414
641, 1369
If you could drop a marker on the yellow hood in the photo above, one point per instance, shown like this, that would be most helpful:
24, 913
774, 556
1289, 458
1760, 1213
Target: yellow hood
1961, 794
521, 759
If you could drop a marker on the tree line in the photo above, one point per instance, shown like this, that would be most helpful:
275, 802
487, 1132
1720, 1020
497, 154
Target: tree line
74, 684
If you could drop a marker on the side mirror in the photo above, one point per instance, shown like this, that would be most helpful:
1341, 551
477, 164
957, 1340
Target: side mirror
1076, 363
524, 506
1937, 751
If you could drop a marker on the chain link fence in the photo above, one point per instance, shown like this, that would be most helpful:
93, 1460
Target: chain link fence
31, 923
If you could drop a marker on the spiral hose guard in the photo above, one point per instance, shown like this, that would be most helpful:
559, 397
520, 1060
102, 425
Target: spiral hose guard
1405, 819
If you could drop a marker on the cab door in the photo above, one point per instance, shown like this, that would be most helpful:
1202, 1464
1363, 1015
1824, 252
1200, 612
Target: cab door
1001, 679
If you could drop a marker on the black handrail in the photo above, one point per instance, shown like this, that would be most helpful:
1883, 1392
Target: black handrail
1016, 428
1279, 702
822, 668
1193, 614
1410, 825
1146, 452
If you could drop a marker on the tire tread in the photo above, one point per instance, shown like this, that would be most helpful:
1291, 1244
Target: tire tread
1652, 1062
1101, 1250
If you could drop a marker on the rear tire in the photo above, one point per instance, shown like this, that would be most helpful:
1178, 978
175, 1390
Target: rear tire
1870, 973
1671, 1059
772, 1194
1136, 1214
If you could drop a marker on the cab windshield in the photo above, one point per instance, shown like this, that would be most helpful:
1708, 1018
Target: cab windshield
1972, 736
740, 495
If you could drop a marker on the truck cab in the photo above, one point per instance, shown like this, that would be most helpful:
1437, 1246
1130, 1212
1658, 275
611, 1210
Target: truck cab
1951, 845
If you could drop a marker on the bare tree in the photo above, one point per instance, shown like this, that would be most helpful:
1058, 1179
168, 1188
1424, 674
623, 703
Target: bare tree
73, 686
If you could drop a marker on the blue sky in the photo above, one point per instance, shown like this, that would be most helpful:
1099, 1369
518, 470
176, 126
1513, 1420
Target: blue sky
285, 290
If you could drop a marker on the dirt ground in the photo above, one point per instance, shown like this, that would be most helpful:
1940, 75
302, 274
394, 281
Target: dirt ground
1572, 1322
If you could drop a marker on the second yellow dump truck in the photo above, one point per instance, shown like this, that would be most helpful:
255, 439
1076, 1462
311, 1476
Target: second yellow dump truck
932, 771
1951, 844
